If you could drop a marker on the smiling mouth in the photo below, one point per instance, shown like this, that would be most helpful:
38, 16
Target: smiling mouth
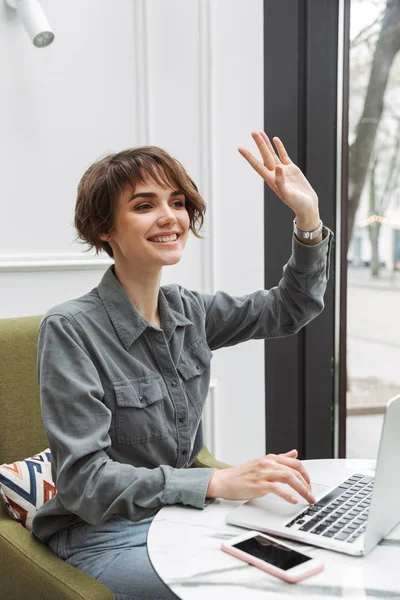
165, 239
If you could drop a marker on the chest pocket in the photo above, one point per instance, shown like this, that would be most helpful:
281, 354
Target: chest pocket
139, 412
194, 369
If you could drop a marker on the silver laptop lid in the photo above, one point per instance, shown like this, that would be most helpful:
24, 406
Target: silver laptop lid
384, 511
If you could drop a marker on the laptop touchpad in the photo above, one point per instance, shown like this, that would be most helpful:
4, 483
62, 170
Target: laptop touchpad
278, 506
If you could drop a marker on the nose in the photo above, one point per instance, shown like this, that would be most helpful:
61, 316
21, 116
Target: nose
166, 216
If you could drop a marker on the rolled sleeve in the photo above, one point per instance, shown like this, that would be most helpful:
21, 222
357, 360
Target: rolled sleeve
280, 311
306, 258
188, 486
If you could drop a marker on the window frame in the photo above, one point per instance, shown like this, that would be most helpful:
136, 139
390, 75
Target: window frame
305, 374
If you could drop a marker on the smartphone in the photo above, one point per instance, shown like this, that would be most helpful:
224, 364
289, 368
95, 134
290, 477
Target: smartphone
272, 556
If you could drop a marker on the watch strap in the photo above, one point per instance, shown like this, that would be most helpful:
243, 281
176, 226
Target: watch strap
307, 235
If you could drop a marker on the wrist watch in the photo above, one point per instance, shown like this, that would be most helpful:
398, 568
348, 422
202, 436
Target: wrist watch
307, 235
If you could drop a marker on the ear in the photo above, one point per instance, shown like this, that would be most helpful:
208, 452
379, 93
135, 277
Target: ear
105, 237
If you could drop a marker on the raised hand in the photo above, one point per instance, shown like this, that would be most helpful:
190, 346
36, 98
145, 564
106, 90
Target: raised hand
262, 476
285, 179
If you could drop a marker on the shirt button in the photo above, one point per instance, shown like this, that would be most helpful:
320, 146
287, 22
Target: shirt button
173, 383
184, 452
197, 367
181, 419
141, 398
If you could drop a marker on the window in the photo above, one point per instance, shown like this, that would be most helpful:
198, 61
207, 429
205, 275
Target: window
373, 318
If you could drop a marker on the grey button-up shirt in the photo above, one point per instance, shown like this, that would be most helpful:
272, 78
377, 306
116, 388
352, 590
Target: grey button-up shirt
122, 400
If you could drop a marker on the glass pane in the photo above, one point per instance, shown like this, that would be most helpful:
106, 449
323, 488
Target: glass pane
373, 318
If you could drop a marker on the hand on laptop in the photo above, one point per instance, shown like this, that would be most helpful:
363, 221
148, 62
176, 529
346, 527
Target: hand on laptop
262, 476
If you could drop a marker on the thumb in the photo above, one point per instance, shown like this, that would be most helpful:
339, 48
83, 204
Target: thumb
280, 182
279, 176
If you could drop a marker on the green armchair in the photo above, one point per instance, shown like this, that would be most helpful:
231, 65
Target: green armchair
28, 568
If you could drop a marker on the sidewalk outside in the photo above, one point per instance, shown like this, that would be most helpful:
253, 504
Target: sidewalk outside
361, 277
373, 340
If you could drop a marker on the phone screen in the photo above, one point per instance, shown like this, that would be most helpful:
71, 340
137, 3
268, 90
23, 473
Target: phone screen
271, 552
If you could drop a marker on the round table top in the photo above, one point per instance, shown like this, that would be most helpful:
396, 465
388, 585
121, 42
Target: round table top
184, 545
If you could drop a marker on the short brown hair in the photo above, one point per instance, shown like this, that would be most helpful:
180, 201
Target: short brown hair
103, 182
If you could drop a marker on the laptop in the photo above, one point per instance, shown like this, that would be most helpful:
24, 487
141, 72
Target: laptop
352, 516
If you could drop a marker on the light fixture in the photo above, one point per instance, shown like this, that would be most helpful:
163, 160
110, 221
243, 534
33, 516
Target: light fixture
34, 20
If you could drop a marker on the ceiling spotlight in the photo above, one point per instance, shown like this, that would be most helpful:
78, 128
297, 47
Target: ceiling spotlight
34, 20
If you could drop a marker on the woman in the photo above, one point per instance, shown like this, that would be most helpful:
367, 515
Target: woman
124, 370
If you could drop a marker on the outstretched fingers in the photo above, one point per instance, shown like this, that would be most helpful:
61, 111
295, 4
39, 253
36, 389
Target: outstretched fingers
266, 150
270, 147
256, 164
283, 155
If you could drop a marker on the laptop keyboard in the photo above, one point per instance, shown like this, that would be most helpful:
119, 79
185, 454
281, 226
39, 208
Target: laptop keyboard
341, 514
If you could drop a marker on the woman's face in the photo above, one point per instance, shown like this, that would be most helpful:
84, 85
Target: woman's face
151, 226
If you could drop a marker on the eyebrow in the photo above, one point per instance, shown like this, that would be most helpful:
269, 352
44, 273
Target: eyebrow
154, 195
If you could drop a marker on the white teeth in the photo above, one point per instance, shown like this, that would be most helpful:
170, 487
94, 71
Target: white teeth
169, 238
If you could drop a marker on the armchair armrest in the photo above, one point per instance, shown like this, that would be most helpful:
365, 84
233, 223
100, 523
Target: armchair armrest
29, 569
206, 459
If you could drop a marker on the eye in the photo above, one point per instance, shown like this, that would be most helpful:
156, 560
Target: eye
142, 207
179, 203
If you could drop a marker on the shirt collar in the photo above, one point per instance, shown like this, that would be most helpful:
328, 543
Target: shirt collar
170, 318
126, 319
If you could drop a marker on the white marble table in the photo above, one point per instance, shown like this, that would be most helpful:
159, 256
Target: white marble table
184, 547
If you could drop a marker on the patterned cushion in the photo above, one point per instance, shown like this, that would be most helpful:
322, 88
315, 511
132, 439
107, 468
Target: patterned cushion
26, 485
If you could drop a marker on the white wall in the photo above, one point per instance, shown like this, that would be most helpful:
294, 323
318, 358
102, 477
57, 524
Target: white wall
237, 44
183, 75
